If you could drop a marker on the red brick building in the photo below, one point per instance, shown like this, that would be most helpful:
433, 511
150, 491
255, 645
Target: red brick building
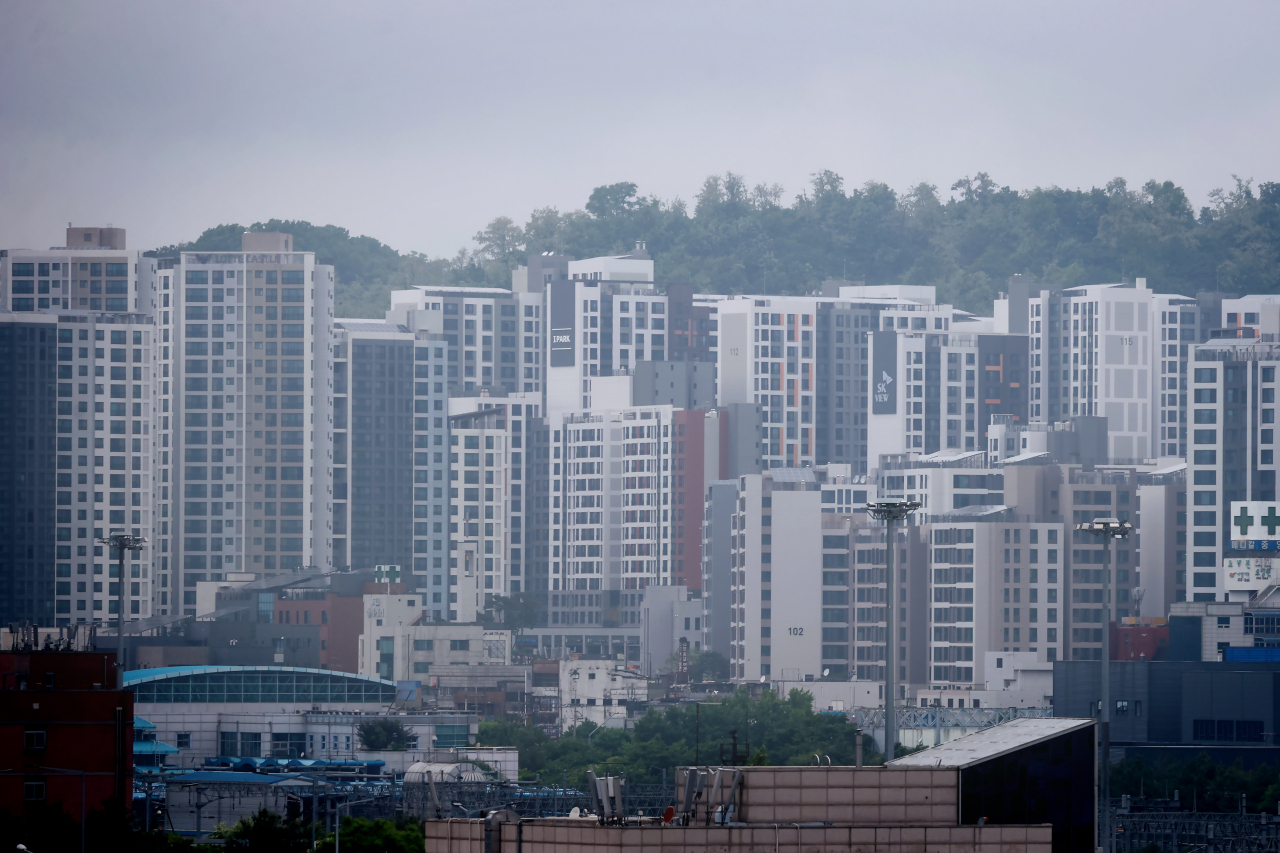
339, 611
66, 735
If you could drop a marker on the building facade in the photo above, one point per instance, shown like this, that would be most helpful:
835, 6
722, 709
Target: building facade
251, 402
84, 427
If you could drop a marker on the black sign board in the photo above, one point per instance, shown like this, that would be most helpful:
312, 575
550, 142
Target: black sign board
884, 369
560, 323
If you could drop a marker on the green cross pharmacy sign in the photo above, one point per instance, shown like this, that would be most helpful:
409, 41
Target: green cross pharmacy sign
1255, 526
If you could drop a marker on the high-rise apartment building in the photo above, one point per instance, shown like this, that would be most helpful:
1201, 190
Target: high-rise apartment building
495, 507
846, 365
470, 341
375, 404
1232, 458
251, 407
1118, 351
820, 605
81, 427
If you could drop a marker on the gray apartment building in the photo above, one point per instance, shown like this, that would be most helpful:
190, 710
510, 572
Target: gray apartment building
82, 428
250, 359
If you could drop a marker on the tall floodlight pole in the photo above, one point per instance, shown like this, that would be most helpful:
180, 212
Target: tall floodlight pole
121, 542
1108, 529
890, 512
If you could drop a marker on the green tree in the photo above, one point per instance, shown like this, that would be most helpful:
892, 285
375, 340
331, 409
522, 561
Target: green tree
966, 242
708, 666
501, 240
375, 836
384, 733
265, 831
519, 611
786, 730
1202, 783
703, 665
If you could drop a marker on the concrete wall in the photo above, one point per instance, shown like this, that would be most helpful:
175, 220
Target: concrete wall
586, 836
866, 797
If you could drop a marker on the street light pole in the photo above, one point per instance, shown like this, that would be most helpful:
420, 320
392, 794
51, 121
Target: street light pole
1108, 529
121, 542
889, 512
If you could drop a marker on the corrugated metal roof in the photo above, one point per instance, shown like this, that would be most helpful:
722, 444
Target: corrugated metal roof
357, 325
153, 747
231, 776
1023, 457
990, 743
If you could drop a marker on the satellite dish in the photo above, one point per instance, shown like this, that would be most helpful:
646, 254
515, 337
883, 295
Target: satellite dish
668, 814
825, 673
763, 678
575, 812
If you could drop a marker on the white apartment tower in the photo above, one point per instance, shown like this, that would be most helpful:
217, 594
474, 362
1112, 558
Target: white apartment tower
251, 403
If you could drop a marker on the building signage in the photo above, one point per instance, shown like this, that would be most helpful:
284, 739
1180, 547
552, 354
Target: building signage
1255, 526
884, 368
560, 323
1247, 572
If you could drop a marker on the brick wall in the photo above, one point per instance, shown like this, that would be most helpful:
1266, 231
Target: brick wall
585, 836
844, 795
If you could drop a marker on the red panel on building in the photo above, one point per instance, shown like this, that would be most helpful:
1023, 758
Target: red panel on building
1139, 642
63, 737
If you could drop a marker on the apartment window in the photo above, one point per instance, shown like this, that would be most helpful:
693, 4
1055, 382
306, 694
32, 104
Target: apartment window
183, 740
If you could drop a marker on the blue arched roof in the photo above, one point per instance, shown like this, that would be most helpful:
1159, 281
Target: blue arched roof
255, 684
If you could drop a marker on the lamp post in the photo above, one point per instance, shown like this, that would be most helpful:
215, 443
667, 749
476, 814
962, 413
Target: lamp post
121, 542
890, 512
1108, 529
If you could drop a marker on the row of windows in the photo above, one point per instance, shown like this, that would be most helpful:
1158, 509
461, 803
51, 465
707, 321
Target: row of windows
19, 270
262, 687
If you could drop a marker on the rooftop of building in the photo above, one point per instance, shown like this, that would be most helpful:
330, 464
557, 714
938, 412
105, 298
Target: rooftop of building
1241, 349
989, 743
357, 324
140, 676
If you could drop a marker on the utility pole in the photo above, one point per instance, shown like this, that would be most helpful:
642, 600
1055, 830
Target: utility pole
889, 512
121, 542
1108, 529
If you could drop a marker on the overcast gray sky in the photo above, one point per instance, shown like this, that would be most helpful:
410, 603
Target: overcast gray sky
417, 123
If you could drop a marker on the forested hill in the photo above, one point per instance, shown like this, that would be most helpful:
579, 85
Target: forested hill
739, 239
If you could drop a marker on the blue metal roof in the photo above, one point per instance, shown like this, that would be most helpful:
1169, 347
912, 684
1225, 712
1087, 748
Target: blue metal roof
139, 676
142, 725
241, 778
268, 763
153, 747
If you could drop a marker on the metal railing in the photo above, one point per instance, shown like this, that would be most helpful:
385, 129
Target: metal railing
930, 717
1210, 832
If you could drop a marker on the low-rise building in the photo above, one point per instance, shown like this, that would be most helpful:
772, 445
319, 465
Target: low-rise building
597, 691
402, 643
1013, 680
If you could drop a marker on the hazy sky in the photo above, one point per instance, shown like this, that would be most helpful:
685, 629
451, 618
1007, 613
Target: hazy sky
417, 123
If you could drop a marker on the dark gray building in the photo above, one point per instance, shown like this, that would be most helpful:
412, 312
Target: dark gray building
683, 384
1176, 702
29, 469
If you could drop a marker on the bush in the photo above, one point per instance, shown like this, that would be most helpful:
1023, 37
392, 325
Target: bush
375, 836
384, 734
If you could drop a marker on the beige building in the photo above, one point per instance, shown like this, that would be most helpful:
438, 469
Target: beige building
401, 642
